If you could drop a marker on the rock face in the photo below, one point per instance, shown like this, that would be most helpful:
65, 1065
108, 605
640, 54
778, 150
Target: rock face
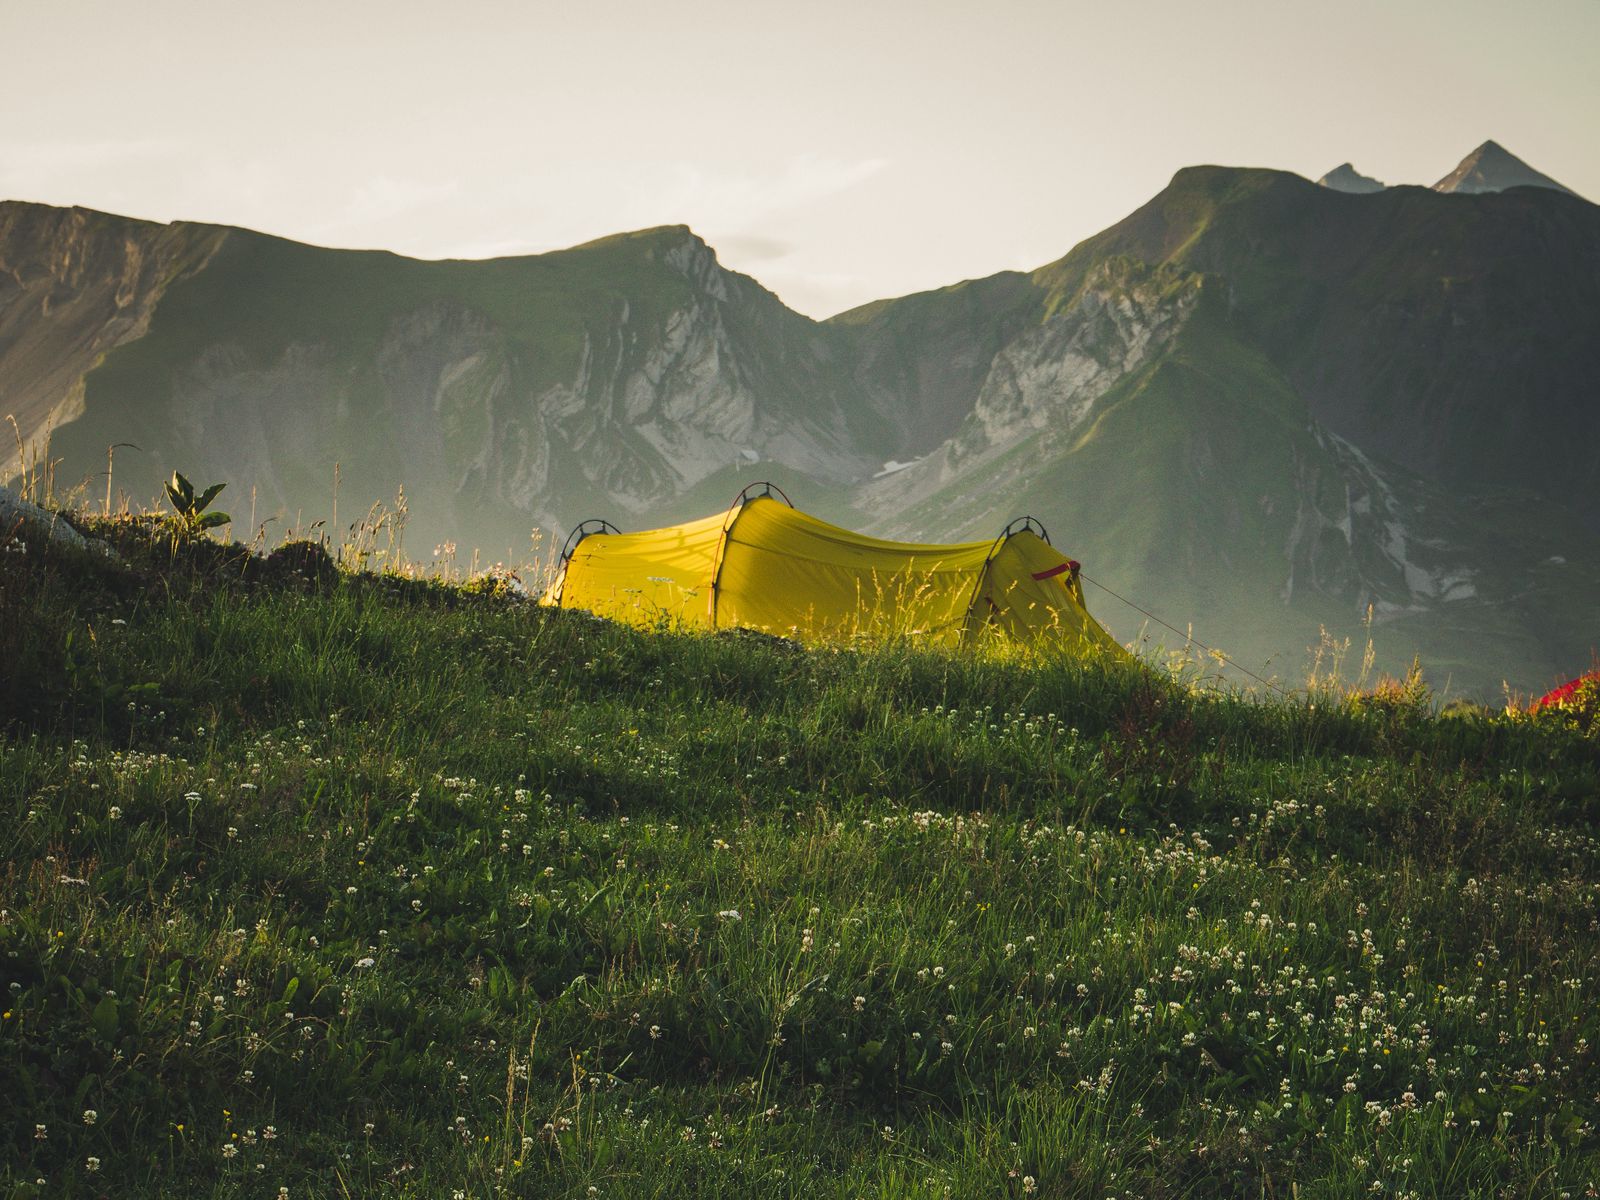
1252, 387
1345, 178
620, 374
1254, 404
1493, 168
1458, 341
1042, 385
24, 519
75, 284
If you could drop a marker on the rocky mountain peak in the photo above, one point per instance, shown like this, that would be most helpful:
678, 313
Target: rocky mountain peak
1239, 401
691, 255
1345, 178
677, 247
1493, 168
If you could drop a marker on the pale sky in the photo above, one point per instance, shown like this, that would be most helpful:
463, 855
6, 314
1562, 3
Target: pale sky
839, 152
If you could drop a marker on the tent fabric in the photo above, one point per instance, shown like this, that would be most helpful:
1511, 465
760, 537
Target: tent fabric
770, 567
1566, 691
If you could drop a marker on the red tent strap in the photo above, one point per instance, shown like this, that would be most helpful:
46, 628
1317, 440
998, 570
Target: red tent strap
1070, 565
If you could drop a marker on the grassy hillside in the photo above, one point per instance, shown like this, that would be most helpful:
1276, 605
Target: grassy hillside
74, 284
1209, 483
500, 395
1174, 493
1382, 403
1452, 334
365, 886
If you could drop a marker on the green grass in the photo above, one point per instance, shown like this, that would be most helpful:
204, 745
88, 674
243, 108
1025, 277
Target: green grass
391, 888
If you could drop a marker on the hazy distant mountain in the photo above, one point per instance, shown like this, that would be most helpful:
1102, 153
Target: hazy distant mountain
1345, 178
74, 285
1493, 168
1259, 404
611, 378
1254, 404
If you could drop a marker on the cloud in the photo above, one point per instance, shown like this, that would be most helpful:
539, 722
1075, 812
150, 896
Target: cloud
384, 197
566, 206
754, 248
817, 293
736, 200
36, 167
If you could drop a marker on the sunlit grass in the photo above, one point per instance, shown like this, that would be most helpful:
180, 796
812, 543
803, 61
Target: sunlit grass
388, 888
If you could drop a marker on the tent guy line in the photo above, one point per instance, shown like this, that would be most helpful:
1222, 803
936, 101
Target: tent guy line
808, 577
1218, 654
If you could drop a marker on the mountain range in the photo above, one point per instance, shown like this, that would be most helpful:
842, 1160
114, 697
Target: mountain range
1256, 408
1489, 168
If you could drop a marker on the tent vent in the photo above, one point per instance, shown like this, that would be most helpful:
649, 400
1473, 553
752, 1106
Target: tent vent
1028, 523
584, 529
767, 489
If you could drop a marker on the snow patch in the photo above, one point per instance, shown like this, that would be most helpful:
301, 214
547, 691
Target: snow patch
890, 467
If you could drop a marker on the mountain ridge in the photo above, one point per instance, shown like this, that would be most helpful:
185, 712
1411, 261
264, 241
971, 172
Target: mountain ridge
1257, 402
1490, 167
1345, 178
1493, 168
564, 327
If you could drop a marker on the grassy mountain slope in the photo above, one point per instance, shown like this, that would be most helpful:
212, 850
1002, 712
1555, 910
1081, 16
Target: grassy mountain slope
922, 358
1171, 405
1259, 406
389, 888
1458, 336
498, 394
74, 284
1179, 500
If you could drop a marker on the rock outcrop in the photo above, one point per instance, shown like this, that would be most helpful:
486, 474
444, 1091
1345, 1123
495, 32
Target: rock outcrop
1493, 168
1345, 178
1254, 404
22, 519
74, 285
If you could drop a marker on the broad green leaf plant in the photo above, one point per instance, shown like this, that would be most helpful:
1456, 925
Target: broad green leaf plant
192, 517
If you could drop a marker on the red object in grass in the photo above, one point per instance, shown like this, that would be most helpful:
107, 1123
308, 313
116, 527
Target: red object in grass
1565, 690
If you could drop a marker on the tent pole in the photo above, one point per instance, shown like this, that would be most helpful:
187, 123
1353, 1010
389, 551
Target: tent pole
983, 574
729, 520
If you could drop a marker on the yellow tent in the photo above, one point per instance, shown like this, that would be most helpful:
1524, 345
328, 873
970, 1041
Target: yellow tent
765, 565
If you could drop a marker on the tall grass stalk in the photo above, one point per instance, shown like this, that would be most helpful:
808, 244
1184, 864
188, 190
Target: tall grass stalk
375, 884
